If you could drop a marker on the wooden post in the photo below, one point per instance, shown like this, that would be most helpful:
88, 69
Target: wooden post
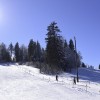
76, 60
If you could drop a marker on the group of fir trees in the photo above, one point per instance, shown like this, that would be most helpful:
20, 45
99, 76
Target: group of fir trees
35, 51
60, 55
54, 48
31, 53
4, 53
21, 53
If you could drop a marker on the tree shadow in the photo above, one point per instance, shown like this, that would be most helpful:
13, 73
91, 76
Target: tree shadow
88, 74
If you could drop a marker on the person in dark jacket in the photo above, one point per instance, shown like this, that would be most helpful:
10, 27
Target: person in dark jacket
74, 80
56, 77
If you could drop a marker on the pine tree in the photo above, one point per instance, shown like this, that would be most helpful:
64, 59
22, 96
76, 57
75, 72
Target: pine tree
83, 64
79, 58
65, 44
43, 56
4, 53
23, 54
32, 50
70, 59
11, 48
17, 52
99, 66
70, 56
35, 51
38, 51
71, 44
54, 48
8, 57
66, 48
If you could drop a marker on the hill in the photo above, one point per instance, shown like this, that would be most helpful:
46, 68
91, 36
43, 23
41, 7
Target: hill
20, 82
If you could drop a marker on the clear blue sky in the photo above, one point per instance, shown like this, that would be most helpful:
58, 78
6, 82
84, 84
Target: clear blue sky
21, 20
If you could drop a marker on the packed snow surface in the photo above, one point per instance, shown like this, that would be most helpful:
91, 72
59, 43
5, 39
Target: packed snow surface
21, 82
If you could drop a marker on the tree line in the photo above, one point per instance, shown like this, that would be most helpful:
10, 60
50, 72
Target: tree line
20, 53
59, 55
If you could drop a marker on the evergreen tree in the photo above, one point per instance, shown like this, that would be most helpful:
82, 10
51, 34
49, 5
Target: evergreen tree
17, 52
70, 59
83, 64
65, 44
66, 48
8, 57
38, 51
71, 44
32, 50
43, 55
70, 56
23, 53
78, 58
11, 48
54, 48
4, 53
99, 66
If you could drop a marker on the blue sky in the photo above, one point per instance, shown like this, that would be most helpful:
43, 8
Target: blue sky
21, 20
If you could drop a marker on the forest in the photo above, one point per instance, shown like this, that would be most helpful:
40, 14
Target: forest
59, 54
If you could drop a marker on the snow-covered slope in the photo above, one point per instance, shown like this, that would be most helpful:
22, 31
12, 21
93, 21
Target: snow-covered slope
89, 74
26, 83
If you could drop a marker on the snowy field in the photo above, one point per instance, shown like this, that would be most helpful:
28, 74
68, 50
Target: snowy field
20, 82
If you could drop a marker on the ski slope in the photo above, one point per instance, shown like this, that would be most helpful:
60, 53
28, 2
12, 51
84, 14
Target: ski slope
20, 82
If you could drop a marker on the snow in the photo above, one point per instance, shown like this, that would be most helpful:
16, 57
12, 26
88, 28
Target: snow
21, 82
89, 74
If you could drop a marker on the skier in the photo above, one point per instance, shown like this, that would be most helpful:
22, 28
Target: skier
74, 81
56, 77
